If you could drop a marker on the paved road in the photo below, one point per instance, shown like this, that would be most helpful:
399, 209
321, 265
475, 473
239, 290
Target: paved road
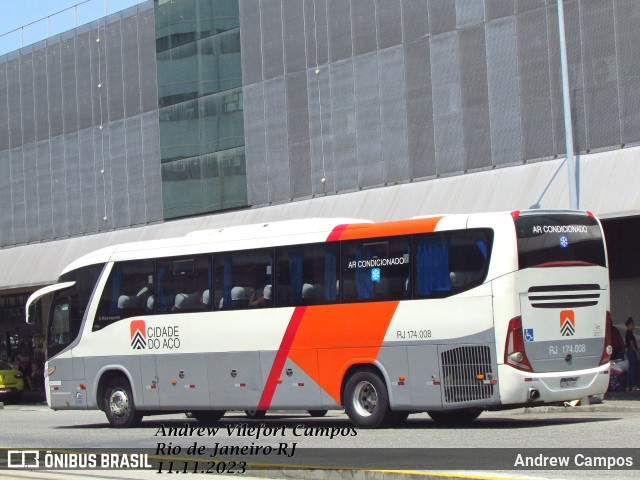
613, 424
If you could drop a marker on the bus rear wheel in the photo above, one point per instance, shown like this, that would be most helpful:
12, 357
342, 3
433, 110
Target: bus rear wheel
458, 417
119, 405
366, 400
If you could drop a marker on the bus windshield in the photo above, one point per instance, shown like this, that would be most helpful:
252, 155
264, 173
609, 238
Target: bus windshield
559, 239
68, 308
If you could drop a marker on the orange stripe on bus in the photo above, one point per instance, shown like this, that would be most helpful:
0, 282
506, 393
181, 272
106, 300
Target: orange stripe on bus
356, 231
342, 335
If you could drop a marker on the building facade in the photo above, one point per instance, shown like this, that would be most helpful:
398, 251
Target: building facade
177, 115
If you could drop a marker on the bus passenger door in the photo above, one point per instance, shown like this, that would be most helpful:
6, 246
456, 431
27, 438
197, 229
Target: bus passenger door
149, 381
67, 371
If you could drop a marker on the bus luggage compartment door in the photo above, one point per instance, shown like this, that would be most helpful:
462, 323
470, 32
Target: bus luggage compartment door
235, 380
563, 326
182, 380
424, 376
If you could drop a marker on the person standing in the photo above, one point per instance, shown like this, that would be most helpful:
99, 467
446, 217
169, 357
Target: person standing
24, 365
632, 356
38, 364
617, 342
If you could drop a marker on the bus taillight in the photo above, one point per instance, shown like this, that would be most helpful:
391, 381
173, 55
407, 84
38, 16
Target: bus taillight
514, 353
608, 348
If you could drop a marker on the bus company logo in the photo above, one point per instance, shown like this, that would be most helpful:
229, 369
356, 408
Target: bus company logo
138, 335
567, 323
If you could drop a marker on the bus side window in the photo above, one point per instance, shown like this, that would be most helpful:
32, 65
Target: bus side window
307, 274
126, 293
469, 258
432, 274
182, 283
243, 279
450, 262
376, 269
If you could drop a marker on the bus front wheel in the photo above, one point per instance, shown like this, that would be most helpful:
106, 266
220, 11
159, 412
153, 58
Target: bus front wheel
119, 405
366, 400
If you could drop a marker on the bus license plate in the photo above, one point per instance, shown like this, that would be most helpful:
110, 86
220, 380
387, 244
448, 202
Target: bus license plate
569, 382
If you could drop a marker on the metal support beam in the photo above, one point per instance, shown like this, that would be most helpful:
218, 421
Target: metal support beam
566, 100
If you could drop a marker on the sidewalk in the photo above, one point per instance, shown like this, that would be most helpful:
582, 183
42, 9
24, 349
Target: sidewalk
612, 402
624, 396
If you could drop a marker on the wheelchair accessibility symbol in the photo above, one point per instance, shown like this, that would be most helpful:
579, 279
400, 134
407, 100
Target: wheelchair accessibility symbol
528, 334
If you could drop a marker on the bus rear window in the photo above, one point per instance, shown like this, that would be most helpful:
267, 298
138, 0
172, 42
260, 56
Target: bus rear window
559, 239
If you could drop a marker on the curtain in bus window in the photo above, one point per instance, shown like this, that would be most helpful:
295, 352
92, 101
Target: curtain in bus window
330, 275
226, 283
407, 283
207, 295
364, 284
295, 274
482, 246
432, 266
163, 302
270, 270
116, 281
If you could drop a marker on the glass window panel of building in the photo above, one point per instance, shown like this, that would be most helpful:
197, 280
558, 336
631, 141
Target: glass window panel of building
201, 107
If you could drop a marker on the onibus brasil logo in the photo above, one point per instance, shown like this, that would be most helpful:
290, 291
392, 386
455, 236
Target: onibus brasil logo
138, 335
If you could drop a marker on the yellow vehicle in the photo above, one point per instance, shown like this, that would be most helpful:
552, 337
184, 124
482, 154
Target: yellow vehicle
11, 382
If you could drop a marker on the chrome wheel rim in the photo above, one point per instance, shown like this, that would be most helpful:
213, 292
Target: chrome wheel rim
365, 399
119, 403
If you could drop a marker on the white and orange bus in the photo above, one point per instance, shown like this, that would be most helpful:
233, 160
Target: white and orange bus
451, 315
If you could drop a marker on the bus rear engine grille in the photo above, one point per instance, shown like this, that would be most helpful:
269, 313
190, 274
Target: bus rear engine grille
564, 296
467, 374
